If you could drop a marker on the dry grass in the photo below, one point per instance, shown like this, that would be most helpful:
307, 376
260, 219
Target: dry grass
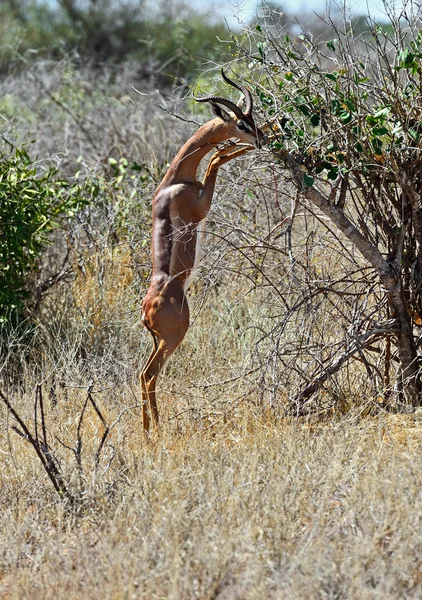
245, 508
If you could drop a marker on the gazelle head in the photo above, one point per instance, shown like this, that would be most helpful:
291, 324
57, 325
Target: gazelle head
240, 122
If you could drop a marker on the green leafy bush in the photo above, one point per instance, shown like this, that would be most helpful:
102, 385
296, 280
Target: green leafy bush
31, 205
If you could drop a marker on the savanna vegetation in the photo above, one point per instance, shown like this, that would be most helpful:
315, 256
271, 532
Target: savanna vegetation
287, 463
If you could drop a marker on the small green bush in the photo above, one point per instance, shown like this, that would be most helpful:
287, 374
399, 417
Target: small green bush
31, 205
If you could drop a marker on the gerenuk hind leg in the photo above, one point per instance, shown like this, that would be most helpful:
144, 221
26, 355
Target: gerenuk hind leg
168, 321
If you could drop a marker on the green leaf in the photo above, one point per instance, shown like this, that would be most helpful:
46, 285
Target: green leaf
346, 117
333, 76
406, 59
308, 180
382, 113
304, 110
331, 46
380, 131
397, 129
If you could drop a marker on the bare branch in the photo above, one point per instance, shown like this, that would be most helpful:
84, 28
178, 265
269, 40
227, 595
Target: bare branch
43, 453
356, 345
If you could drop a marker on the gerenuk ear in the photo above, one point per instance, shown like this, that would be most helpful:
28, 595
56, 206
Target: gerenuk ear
219, 112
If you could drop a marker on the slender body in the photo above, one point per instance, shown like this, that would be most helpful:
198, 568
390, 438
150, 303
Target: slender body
179, 207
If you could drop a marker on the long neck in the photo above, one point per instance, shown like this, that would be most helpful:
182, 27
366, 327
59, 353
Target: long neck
185, 164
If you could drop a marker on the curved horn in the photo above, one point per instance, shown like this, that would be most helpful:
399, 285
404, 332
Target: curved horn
244, 90
220, 100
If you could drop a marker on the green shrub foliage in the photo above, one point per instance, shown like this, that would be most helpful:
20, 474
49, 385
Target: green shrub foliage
31, 206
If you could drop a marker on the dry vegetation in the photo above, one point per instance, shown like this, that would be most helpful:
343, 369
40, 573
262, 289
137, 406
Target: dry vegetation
233, 498
236, 508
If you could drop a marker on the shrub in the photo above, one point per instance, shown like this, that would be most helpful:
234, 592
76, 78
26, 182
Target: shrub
345, 119
31, 206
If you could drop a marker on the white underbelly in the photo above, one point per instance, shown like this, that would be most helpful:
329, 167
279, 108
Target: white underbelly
200, 229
